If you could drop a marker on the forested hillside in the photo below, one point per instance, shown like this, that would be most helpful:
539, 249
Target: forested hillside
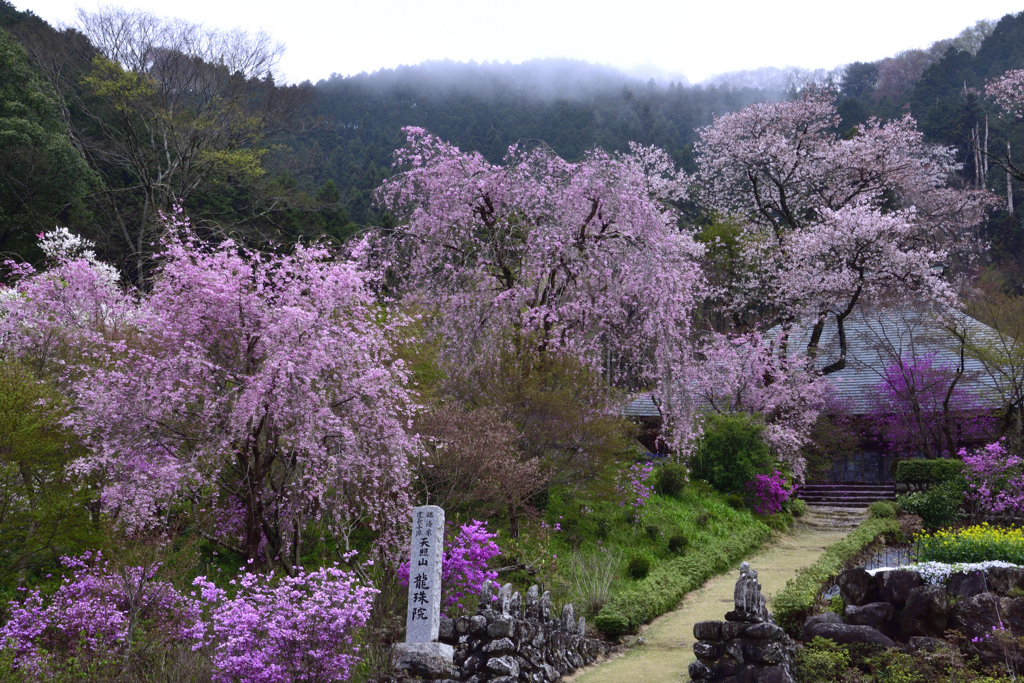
571, 106
319, 151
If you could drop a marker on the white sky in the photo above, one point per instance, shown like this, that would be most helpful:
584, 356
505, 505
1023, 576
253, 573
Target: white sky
695, 38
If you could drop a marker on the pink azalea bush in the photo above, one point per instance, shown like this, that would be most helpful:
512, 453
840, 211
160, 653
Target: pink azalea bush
995, 480
464, 563
96, 616
294, 628
769, 491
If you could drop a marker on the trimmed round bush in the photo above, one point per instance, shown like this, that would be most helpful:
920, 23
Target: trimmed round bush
671, 479
678, 543
780, 521
795, 507
639, 567
731, 452
883, 509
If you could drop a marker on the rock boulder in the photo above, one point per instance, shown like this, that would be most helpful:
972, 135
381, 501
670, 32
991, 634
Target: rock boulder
857, 587
926, 612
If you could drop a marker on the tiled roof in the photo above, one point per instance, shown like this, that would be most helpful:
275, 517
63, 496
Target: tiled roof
642, 406
875, 338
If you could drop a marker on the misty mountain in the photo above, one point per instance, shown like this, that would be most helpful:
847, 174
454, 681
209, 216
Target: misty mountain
339, 148
572, 106
534, 80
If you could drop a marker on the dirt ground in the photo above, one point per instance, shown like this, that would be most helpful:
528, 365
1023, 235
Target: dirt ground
664, 648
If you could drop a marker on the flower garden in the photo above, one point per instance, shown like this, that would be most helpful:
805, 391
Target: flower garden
953, 611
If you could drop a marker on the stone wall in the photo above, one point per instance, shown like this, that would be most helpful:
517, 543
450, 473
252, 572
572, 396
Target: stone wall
898, 607
517, 639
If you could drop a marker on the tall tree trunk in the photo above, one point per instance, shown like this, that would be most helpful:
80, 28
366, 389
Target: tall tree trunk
1009, 182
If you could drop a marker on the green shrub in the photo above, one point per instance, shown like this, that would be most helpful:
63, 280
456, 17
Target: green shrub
795, 507
667, 583
780, 521
822, 661
702, 519
671, 479
837, 605
678, 543
639, 567
653, 531
883, 509
731, 452
736, 501
794, 602
701, 488
919, 471
937, 506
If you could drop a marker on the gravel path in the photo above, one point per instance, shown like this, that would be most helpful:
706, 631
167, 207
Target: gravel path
664, 647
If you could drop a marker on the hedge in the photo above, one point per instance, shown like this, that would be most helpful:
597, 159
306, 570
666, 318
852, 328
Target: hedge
794, 603
928, 471
670, 581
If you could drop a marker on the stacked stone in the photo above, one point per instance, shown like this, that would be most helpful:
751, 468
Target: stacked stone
748, 647
519, 640
897, 606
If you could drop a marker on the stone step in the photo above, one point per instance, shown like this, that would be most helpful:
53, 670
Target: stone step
846, 495
848, 487
837, 504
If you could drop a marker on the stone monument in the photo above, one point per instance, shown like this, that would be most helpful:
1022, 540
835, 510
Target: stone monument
748, 600
421, 654
748, 647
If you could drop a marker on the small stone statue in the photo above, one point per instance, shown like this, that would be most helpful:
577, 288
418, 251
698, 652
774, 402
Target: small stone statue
750, 605
749, 646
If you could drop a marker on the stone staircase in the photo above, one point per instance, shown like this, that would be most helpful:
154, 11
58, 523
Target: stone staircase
846, 495
831, 519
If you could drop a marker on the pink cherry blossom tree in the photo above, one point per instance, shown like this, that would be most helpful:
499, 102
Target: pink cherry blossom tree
581, 258
746, 373
257, 389
829, 223
1008, 93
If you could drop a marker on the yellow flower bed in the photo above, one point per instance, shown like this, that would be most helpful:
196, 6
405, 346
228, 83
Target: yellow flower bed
979, 543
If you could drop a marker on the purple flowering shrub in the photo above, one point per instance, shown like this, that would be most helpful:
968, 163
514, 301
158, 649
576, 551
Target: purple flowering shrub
635, 486
269, 630
769, 492
96, 616
297, 628
464, 564
995, 480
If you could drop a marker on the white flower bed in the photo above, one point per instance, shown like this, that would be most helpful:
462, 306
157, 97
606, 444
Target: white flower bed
937, 573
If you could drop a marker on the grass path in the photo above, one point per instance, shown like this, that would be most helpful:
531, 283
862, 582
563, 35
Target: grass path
667, 648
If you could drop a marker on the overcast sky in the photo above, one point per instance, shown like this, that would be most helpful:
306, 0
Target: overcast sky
697, 39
